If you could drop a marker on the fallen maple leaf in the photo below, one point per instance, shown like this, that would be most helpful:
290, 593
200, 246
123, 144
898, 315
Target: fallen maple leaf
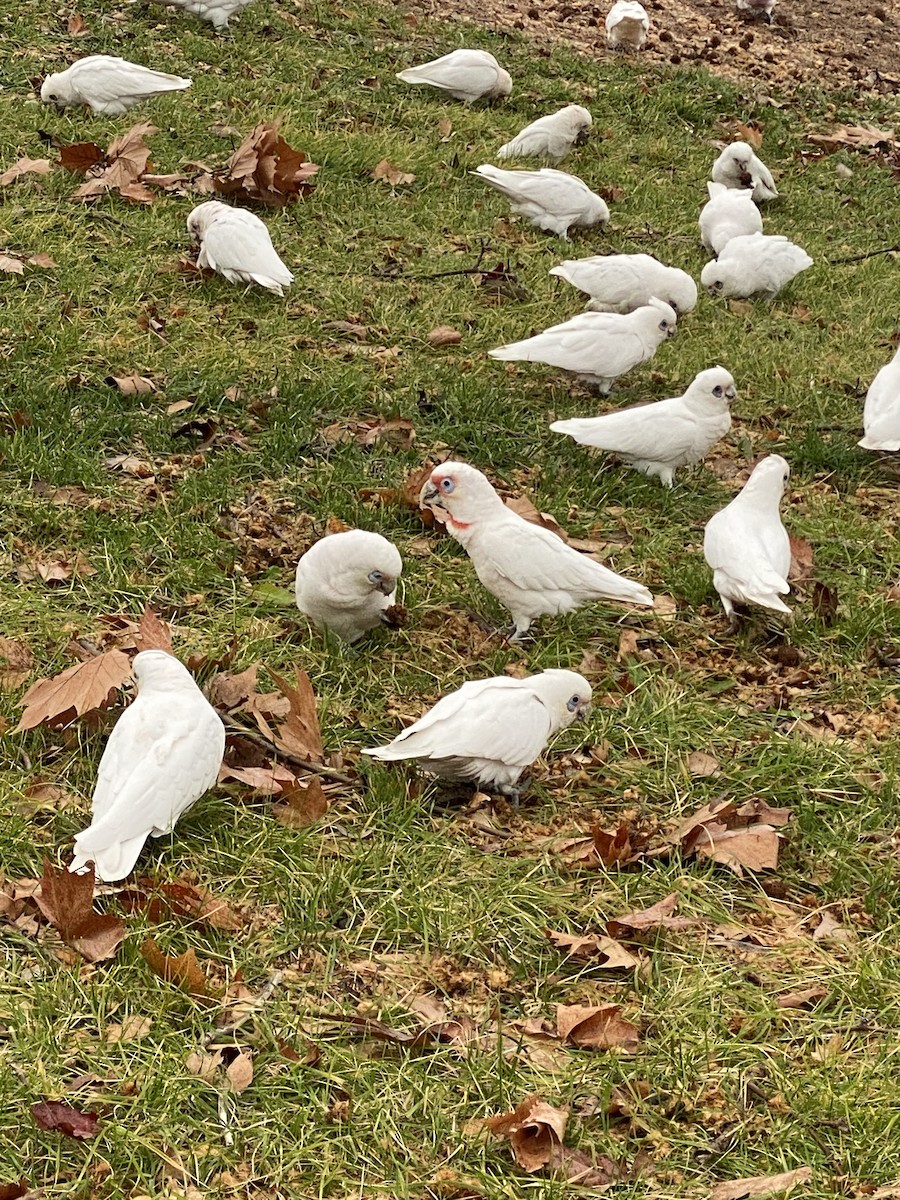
57, 1116
162, 901
301, 805
855, 137
736, 837
121, 167
602, 951
388, 173
636, 925
184, 970
752, 134
602, 849
79, 157
76, 26
533, 1130
67, 901
14, 1191
595, 1027
265, 168
153, 633
228, 691
299, 734
77, 690
25, 166
760, 1185
16, 662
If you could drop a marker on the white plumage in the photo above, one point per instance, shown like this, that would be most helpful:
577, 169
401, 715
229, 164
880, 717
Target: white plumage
550, 137
627, 25
163, 754
758, 8
552, 200
217, 12
746, 544
659, 438
347, 581
465, 75
881, 415
729, 213
620, 283
235, 243
490, 730
528, 569
598, 347
756, 264
108, 85
738, 167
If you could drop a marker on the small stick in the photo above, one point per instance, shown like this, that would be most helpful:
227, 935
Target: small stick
313, 768
838, 262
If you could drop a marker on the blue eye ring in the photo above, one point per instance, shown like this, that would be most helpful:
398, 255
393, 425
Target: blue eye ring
572, 704
375, 577
447, 485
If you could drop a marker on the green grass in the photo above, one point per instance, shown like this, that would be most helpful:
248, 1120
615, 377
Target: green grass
387, 877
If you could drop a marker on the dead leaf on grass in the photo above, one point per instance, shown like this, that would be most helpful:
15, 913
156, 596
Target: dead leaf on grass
579, 1168
16, 662
79, 157
600, 950
533, 1129
751, 134
67, 902
301, 805
265, 168
602, 849
801, 567
635, 926
120, 168
702, 764
443, 335
77, 690
228, 691
760, 1185
855, 137
299, 733
388, 173
133, 385
132, 1029
804, 998
240, 1072
56, 1116
25, 166
153, 633
596, 1027
737, 837
184, 970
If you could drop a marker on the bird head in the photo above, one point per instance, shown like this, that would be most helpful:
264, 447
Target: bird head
377, 564
714, 277
663, 315
55, 91
201, 217
503, 86
579, 121
739, 155
768, 479
681, 293
713, 388
566, 694
156, 668
458, 494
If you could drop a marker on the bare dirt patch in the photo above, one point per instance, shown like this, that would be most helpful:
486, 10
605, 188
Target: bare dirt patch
833, 45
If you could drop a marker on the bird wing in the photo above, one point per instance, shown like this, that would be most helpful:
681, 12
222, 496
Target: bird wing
658, 432
454, 73
581, 343
496, 719
110, 80
554, 192
232, 243
749, 550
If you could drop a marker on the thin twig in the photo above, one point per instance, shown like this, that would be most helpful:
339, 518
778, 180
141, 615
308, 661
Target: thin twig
253, 735
265, 995
473, 270
838, 262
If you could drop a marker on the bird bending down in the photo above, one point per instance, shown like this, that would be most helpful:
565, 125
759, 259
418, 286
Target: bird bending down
217, 12
881, 414
755, 264
620, 283
347, 581
729, 213
490, 730
627, 25
552, 200
598, 347
738, 167
467, 75
550, 137
164, 752
746, 544
236, 244
107, 85
659, 438
528, 569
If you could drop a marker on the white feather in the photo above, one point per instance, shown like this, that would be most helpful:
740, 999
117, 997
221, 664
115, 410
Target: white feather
467, 75
661, 437
108, 85
729, 213
623, 282
746, 544
235, 243
347, 581
738, 167
163, 754
550, 137
881, 415
217, 12
552, 200
627, 25
755, 264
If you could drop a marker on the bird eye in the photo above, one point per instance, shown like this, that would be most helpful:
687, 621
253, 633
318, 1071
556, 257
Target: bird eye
573, 703
375, 577
717, 390
447, 485
52, 97
664, 324
786, 477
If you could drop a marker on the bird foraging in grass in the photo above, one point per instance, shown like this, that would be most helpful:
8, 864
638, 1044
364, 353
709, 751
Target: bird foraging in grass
236, 244
107, 84
466, 75
550, 137
347, 582
552, 200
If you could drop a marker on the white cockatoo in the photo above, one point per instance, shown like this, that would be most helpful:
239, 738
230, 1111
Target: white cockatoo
552, 200
550, 137
764, 9
347, 581
746, 544
738, 167
881, 414
755, 264
467, 75
620, 283
627, 24
729, 213
528, 569
217, 12
108, 85
235, 243
598, 347
163, 754
659, 438
491, 730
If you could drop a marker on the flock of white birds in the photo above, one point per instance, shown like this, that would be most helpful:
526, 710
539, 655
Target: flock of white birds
167, 748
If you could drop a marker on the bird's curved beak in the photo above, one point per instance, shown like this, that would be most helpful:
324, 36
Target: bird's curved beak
670, 333
582, 137
428, 493
387, 585
583, 711
730, 393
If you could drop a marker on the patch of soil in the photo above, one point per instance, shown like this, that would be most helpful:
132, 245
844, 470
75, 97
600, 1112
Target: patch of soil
829, 44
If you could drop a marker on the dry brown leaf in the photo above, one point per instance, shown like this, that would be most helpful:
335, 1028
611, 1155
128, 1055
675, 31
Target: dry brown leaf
80, 157
67, 901
240, 1072
595, 1027
299, 734
184, 970
801, 567
445, 128
533, 1129
636, 925
180, 898
442, 335
602, 951
16, 662
760, 1185
133, 385
301, 805
579, 1168
265, 168
804, 998
25, 166
204, 1065
855, 137
120, 168
153, 633
269, 780
702, 764
228, 691
388, 173
77, 690
12, 266
76, 26
737, 837
58, 1116
751, 134
602, 848
132, 1029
